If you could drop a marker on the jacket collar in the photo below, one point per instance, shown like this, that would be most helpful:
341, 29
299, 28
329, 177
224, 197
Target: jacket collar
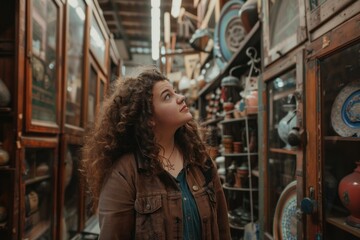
142, 159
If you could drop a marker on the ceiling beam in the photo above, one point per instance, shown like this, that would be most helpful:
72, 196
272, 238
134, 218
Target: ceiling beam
121, 28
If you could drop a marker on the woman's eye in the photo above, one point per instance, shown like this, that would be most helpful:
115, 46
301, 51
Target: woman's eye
167, 97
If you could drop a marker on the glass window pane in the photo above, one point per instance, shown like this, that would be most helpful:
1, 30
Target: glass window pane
92, 95
38, 193
284, 20
44, 22
97, 42
72, 188
75, 53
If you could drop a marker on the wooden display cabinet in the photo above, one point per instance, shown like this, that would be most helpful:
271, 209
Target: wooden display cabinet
38, 187
319, 12
42, 124
283, 148
43, 72
332, 93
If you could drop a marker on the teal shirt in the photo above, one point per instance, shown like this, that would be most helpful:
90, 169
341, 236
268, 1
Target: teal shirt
191, 218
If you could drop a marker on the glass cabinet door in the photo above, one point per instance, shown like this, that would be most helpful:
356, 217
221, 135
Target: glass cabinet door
39, 188
75, 67
333, 98
340, 121
43, 66
283, 150
71, 190
281, 158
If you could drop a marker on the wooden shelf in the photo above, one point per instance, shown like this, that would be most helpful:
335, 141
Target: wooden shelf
7, 168
239, 154
37, 179
225, 186
38, 230
236, 227
283, 151
251, 117
251, 39
211, 121
343, 139
340, 223
4, 110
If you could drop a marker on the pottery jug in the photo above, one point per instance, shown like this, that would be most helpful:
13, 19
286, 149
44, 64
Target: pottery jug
4, 95
287, 123
349, 193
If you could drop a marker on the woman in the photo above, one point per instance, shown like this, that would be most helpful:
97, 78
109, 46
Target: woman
148, 169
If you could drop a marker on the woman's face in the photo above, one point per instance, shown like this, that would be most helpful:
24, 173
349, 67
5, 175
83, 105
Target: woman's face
170, 110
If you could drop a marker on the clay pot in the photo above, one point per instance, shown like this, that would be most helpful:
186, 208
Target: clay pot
228, 143
3, 214
228, 107
4, 95
31, 203
251, 102
238, 147
4, 156
349, 193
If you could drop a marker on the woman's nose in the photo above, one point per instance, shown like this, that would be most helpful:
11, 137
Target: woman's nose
180, 99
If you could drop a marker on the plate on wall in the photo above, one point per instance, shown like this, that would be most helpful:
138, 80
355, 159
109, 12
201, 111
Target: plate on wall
229, 32
345, 111
285, 221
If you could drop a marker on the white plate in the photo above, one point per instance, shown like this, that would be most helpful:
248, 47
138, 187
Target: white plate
345, 111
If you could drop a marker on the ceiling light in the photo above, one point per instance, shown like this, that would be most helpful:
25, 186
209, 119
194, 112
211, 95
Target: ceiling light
175, 8
155, 30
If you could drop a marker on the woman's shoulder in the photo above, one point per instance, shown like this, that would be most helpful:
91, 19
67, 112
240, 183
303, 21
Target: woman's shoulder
125, 162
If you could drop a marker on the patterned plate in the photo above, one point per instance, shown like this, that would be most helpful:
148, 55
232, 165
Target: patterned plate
345, 112
285, 222
229, 32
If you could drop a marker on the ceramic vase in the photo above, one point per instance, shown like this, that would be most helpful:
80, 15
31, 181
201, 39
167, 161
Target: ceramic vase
287, 123
251, 102
349, 193
4, 95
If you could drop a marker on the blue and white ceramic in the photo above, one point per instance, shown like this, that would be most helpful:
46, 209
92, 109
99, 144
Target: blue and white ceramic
345, 111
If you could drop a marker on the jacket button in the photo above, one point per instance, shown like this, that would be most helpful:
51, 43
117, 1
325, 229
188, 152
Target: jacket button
147, 206
195, 188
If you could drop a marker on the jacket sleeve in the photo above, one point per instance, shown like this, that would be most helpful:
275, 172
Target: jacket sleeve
116, 208
222, 210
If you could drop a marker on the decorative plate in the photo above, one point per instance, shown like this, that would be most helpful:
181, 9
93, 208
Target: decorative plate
345, 112
229, 32
285, 222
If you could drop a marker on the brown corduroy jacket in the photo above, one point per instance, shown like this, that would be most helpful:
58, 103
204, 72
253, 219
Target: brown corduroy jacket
136, 205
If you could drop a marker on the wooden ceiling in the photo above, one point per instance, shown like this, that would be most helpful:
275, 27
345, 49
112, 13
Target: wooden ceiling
130, 20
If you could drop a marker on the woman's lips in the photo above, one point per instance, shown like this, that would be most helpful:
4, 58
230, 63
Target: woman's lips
184, 108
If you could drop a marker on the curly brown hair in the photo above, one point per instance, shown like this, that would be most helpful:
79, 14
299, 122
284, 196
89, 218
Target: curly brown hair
124, 126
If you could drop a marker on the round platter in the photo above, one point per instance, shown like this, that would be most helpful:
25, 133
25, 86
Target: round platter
345, 111
229, 33
285, 222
